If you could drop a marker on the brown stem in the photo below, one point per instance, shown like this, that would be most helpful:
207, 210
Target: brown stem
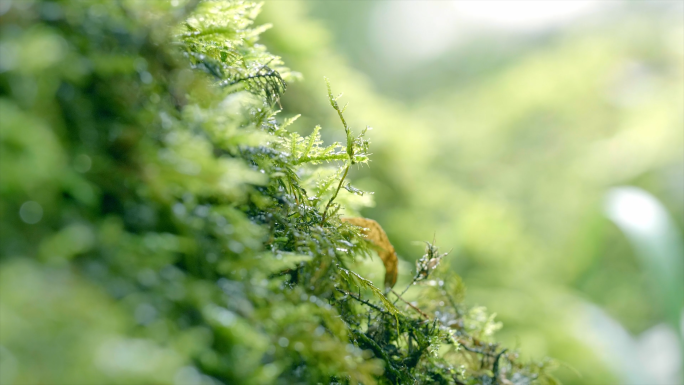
405, 290
411, 305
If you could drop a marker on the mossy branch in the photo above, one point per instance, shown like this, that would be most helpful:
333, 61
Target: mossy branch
379, 352
363, 301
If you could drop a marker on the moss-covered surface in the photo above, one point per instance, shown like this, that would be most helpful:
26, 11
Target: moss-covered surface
161, 225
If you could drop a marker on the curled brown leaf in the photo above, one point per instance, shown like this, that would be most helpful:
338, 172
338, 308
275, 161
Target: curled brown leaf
374, 233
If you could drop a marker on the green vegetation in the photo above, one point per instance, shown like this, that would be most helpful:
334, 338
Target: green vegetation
161, 225
504, 148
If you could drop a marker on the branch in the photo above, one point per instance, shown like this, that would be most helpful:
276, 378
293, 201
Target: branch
473, 350
405, 290
410, 304
363, 301
379, 352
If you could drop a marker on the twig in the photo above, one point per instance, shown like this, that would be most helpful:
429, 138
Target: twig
474, 350
405, 290
363, 301
410, 304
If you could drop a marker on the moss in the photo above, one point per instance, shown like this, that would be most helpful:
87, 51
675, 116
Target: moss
147, 171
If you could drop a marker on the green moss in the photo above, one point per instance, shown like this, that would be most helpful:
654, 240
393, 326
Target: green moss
161, 225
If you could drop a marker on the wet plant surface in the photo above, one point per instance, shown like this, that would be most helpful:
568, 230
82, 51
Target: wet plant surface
158, 216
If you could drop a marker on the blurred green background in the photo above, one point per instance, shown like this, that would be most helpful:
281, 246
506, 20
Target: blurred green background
542, 141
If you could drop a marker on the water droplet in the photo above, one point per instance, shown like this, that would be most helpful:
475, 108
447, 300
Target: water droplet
145, 313
51, 11
148, 277
179, 209
236, 247
146, 77
187, 375
31, 212
202, 211
82, 163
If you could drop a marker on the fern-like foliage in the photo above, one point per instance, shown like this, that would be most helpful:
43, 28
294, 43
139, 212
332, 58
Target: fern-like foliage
219, 40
